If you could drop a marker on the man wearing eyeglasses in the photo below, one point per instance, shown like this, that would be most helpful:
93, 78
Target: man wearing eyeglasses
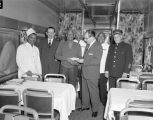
91, 73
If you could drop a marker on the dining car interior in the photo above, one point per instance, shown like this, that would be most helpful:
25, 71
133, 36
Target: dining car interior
76, 59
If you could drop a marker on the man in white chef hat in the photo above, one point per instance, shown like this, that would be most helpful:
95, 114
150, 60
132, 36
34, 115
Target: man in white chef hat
28, 58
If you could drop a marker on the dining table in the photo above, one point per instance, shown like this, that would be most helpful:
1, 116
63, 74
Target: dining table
64, 94
118, 97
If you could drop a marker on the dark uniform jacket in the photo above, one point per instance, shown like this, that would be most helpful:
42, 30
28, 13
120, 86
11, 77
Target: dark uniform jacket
47, 55
119, 59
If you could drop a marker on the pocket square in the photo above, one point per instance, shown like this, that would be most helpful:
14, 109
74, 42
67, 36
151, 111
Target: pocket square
90, 53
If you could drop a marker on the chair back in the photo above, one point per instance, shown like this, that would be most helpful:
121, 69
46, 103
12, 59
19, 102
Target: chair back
59, 78
136, 114
15, 116
9, 96
39, 100
140, 103
147, 84
128, 83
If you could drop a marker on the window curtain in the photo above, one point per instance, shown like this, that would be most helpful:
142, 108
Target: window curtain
70, 21
133, 32
148, 57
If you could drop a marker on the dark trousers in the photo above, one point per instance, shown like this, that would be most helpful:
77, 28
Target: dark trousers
103, 88
112, 82
71, 74
90, 94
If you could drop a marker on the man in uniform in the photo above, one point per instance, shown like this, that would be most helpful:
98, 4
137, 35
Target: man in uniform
119, 59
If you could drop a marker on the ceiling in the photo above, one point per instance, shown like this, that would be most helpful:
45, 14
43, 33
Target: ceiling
98, 12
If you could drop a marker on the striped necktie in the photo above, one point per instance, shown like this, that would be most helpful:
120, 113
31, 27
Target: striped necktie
49, 43
86, 49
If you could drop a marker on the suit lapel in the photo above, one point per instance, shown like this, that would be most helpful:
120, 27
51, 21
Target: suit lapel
92, 46
90, 49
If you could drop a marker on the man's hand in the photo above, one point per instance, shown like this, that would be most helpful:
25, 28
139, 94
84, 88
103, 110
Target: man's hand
106, 74
72, 61
29, 73
80, 60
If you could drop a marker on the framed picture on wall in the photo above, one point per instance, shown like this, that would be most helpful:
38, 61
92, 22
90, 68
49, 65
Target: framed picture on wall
9, 41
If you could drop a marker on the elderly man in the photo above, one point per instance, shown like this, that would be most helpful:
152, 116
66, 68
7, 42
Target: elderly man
27, 57
119, 59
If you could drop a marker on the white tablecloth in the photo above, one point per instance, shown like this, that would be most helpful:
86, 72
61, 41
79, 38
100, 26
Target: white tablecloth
64, 95
118, 97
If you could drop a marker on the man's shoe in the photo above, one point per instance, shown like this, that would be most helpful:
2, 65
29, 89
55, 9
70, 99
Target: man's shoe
94, 114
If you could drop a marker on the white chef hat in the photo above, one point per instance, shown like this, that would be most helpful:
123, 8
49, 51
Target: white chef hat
30, 31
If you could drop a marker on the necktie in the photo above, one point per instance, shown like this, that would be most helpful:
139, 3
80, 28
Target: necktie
86, 49
49, 43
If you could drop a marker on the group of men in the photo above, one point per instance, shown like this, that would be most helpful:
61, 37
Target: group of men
100, 62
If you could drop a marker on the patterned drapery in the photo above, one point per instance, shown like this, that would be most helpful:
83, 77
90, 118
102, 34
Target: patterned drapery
133, 29
148, 51
70, 21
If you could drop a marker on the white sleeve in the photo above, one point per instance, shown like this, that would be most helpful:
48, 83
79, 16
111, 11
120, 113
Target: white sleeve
20, 59
39, 63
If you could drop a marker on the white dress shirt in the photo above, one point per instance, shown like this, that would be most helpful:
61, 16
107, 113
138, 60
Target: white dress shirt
50, 41
105, 47
28, 59
92, 43
82, 44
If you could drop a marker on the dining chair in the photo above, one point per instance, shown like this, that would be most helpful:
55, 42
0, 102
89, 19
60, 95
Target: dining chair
41, 101
136, 114
17, 116
128, 83
9, 96
140, 103
147, 84
59, 78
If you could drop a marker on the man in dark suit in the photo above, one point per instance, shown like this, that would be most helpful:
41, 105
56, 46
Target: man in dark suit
48, 48
91, 73
119, 59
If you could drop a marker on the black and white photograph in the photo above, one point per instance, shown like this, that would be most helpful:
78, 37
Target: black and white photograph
76, 59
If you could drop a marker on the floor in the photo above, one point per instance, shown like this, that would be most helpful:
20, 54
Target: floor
85, 115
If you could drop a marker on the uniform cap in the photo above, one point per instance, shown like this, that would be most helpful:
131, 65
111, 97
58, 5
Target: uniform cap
30, 31
117, 31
